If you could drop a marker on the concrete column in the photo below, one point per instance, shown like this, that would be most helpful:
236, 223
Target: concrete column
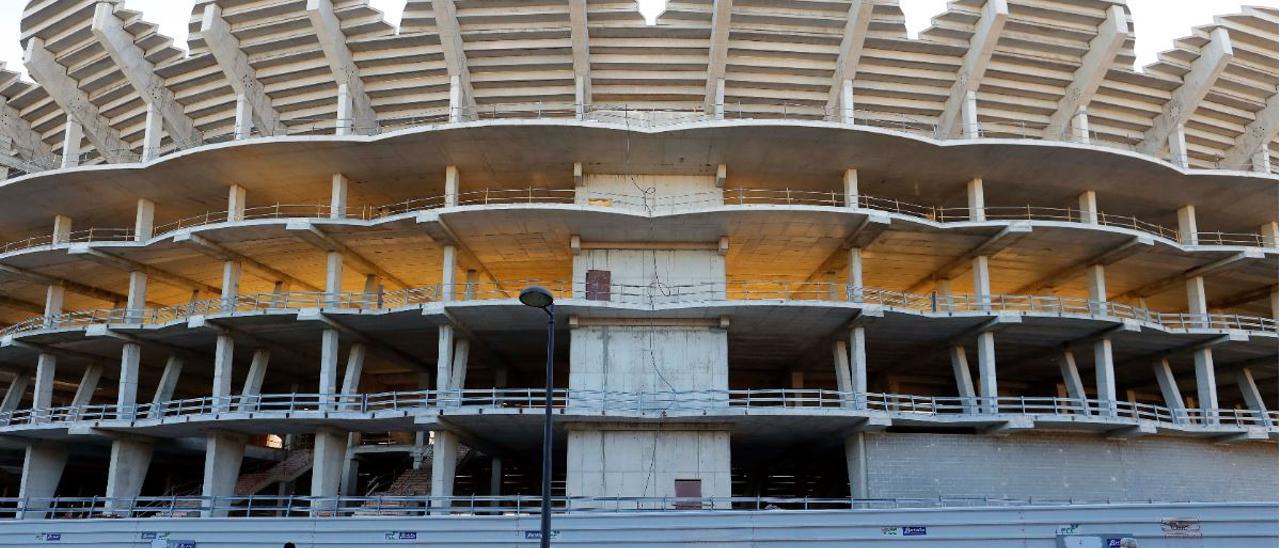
355, 367
46, 370
448, 272
54, 296
223, 370
1169, 390
858, 361
1178, 146
856, 293
851, 188
168, 382
1187, 228
1262, 161
329, 363
137, 299
444, 463
16, 390
444, 360
152, 133
960, 369
844, 380
61, 229
580, 97
969, 114
1206, 384
458, 374
1088, 201
719, 99
495, 476
333, 276
230, 284
456, 105
42, 467
987, 370
72, 136
244, 117
451, 182
235, 203
1071, 378
1252, 396
1104, 372
855, 451
144, 220
1096, 278
254, 379
338, 196
1080, 126
344, 123
126, 470
977, 201
847, 107
88, 385
1197, 304
326, 467
982, 281
223, 455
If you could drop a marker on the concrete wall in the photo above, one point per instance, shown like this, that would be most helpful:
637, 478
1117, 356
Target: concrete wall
1069, 465
640, 460
648, 359
652, 193
653, 275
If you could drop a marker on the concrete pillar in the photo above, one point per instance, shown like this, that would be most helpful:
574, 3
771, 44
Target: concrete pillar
72, 136
851, 188
448, 271
1088, 201
1096, 279
338, 196
1206, 384
1262, 161
126, 471
137, 299
153, 131
1252, 396
244, 117
88, 385
344, 124
580, 97
1187, 229
254, 379
964, 378
223, 370
1104, 372
977, 201
444, 360
15, 391
451, 182
144, 220
326, 467
847, 107
42, 467
223, 455
444, 463
329, 363
855, 452
457, 107
1197, 304
987, 370
1071, 378
969, 114
1169, 389
844, 380
856, 294
458, 374
236, 196
230, 284
333, 276
858, 361
168, 382
1178, 146
719, 99
982, 281
46, 370
61, 229
495, 476
355, 367
54, 297
1080, 126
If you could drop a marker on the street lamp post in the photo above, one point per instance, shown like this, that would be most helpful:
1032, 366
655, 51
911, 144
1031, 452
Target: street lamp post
539, 297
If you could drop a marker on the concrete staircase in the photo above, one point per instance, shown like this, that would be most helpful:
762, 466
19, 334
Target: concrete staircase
295, 464
411, 482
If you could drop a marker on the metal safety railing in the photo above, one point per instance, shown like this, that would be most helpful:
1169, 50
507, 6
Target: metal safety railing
796, 401
657, 294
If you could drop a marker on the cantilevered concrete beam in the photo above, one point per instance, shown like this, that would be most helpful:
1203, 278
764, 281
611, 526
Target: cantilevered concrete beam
1103, 49
225, 48
127, 265
28, 142
862, 235
578, 34
462, 97
717, 57
217, 251
1256, 135
308, 232
141, 74
345, 73
66, 92
86, 290
1245, 297
1007, 236
11, 161
993, 325
440, 233
377, 346
983, 43
855, 34
1135, 245
21, 305
1203, 270
1213, 59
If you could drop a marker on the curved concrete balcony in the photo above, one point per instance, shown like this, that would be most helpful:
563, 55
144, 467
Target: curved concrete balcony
506, 411
623, 297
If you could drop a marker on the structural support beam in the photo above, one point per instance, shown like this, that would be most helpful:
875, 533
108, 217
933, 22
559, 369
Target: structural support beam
986, 34
66, 92
1169, 390
223, 455
578, 34
333, 41
74, 287
1103, 49
128, 265
717, 57
1255, 138
313, 235
218, 251
855, 34
26, 140
1252, 396
141, 74
1006, 237
1219, 265
1204, 72
1129, 248
241, 76
42, 468
462, 98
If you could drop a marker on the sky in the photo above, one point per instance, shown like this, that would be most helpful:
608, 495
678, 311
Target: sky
1157, 22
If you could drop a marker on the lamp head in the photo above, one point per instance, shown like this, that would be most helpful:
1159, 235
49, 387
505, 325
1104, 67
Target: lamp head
537, 297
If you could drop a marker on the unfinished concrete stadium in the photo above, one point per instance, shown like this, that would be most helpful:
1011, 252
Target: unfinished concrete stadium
879, 286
